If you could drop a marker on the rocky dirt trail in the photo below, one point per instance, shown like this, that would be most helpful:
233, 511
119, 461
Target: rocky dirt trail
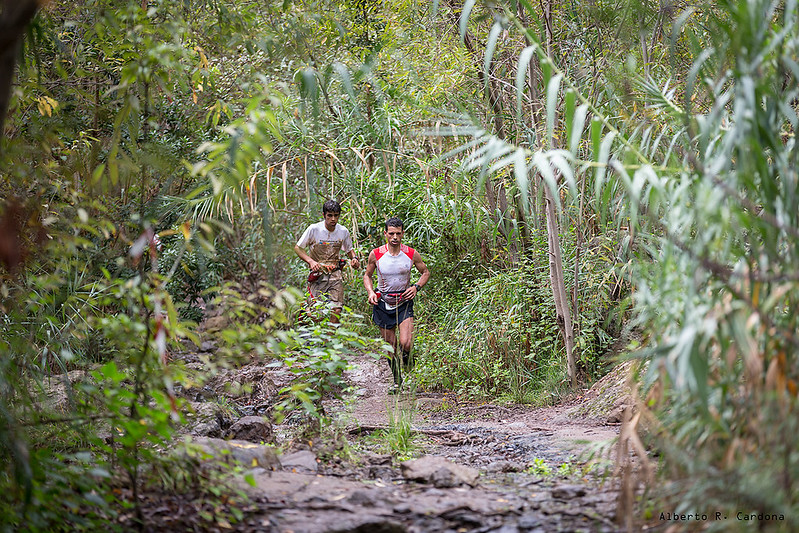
477, 467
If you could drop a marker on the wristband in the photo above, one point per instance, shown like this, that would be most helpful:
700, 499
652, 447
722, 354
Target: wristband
418, 288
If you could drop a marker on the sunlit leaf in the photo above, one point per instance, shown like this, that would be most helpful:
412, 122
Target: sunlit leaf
466, 11
553, 88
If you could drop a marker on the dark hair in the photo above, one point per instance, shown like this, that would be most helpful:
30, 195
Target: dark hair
394, 222
331, 206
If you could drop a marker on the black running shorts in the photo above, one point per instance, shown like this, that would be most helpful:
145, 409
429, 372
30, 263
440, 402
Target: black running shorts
388, 319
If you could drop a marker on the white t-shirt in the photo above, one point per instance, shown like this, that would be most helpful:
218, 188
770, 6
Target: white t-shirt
325, 246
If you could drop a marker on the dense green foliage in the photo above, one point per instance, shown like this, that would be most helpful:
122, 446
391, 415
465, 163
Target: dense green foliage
704, 177
726, 269
664, 133
508, 345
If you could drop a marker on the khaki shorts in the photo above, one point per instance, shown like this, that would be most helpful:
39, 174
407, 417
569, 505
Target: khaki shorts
328, 290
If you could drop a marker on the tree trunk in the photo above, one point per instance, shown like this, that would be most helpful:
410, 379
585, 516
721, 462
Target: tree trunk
562, 311
536, 111
578, 250
14, 19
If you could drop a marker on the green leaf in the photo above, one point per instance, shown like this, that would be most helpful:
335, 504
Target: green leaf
100, 472
546, 70
521, 173
308, 84
113, 168
568, 111
110, 371
601, 159
479, 138
98, 172
577, 124
693, 74
596, 136
557, 159
699, 368
545, 168
677, 27
468, 5
521, 76
94, 498
346, 81
553, 87
491, 45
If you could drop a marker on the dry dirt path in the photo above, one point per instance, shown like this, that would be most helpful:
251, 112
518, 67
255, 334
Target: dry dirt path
504, 469
372, 379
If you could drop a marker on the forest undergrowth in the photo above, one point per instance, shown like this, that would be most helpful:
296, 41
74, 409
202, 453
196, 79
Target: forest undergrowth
571, 174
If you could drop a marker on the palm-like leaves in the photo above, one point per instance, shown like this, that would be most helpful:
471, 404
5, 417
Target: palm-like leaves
711, 184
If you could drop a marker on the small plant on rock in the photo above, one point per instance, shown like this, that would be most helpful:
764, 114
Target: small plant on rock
399, 439
539, 467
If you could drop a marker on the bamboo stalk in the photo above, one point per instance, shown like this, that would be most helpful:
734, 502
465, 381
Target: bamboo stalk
285, 184
388, 171
269, 187
305, 176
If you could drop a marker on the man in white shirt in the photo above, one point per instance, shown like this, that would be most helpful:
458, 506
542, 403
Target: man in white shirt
326, 241
392, 303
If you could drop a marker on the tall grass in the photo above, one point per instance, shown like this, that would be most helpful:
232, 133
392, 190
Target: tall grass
502, 341
399, 438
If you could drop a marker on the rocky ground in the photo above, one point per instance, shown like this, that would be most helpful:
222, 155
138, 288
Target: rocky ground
463, 467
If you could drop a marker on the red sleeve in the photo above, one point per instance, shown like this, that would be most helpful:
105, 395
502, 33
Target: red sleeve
408, 251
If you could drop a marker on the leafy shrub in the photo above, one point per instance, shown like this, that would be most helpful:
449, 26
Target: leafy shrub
722, 299
114, 417
501, 339
262, 325
198, 272
506, 328
317, 355
246, 251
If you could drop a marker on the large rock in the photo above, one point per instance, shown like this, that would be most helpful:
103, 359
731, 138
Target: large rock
251, 428
568, 492
246, 453
608, 398
204, 419
367, 524
503, 466
257, 382
439, 471
301, 461
215, 323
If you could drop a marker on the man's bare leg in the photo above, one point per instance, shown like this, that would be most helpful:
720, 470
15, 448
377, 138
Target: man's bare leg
395, 362
406, 342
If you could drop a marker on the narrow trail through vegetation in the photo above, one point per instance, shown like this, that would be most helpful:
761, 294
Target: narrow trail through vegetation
424, 462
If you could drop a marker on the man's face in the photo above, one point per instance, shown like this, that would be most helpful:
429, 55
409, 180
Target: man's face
331, 219
393, 236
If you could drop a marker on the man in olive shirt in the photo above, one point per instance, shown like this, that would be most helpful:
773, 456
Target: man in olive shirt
326, 241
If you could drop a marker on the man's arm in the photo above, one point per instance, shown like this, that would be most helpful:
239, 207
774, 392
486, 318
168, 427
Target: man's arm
307, 258
412, 291
371, 265
354, 263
